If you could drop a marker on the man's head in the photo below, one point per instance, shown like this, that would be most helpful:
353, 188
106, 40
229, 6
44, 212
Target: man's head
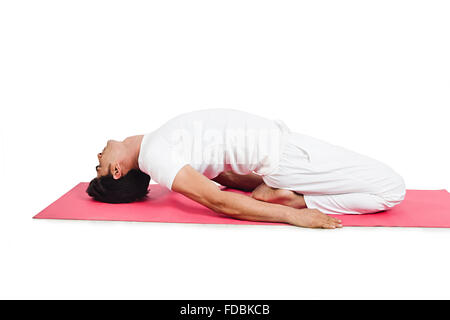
119, 179
114, 160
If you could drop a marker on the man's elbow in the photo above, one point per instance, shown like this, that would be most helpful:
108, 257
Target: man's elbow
216, 201
220, 203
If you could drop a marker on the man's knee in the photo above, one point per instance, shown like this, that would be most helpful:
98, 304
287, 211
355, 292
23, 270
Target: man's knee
397, 194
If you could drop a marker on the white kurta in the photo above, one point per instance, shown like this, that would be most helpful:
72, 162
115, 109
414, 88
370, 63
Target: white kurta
212, 141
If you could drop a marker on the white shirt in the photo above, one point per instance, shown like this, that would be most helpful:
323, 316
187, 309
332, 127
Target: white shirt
212, 141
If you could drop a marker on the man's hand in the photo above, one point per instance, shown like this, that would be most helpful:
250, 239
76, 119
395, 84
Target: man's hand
313, 218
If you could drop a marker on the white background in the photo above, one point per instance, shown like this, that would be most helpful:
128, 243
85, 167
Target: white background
372, 76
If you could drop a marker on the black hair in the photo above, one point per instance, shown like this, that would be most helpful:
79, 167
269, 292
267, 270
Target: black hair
131, 187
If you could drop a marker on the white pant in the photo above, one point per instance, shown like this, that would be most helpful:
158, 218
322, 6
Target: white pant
335, 180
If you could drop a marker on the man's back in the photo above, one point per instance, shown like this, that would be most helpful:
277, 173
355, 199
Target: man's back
212, 141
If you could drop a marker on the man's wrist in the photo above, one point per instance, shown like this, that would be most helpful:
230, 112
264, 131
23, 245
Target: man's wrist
288, 215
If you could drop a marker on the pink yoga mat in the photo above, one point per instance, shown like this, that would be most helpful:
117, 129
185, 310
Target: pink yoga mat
421, 208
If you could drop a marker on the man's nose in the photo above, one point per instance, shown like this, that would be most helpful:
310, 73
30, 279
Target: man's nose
99, 155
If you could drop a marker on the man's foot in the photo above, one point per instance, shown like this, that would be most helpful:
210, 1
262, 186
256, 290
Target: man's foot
280, 196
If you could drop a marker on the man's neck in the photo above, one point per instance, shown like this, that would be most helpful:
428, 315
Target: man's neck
133, 144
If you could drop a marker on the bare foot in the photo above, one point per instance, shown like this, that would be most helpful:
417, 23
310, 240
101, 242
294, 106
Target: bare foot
281, 196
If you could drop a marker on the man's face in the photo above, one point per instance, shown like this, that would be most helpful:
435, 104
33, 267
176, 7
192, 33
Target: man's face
106, 158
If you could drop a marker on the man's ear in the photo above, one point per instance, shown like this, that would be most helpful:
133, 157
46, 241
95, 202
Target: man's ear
116, 171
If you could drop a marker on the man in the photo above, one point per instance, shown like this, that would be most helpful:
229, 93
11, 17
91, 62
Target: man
294, 178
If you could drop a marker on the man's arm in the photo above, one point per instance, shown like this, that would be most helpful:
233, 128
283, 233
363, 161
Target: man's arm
197, 187
247, 182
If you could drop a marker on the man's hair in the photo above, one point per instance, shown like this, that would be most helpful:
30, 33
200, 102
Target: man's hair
131, 187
